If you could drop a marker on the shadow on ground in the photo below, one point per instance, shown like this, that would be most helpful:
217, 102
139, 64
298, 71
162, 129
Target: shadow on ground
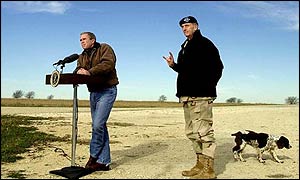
223, 155
139, 151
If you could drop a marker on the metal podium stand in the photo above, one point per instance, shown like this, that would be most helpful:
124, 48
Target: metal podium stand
74, 124
72, 172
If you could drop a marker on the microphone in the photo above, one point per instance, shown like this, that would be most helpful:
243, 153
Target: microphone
68, 59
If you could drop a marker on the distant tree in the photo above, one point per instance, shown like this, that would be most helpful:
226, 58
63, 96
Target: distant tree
231, 100
234, 100
291, 100
50, 97
18, 94
239, 101
30, 95
162, 98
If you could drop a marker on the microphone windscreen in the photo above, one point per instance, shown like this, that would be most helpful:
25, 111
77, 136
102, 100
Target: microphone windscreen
71, 58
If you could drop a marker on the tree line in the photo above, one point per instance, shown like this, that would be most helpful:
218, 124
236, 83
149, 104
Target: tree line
29, 95
162, 98
288, 100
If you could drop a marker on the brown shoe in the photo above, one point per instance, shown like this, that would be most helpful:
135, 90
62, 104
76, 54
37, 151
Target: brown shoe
208, 170
90, 161
196, 169
98, 167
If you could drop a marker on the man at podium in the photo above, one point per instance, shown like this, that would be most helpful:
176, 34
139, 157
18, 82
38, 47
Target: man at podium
99, 60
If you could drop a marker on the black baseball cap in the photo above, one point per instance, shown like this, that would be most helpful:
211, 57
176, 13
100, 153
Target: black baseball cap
188, 19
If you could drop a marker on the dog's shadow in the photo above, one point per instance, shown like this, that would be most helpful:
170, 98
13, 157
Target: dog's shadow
266, 156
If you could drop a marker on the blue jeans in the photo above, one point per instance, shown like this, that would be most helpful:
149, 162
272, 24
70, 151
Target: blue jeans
101, 104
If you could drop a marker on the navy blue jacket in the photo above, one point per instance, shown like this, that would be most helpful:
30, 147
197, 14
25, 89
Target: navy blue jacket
199, 68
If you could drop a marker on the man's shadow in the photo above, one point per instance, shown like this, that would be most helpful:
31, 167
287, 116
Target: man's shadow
223, 155
136, 152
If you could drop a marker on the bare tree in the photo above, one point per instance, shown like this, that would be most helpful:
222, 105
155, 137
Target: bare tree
30, 95
231, 100
18, 94
50, 97
239, 101
291, 100
162, 98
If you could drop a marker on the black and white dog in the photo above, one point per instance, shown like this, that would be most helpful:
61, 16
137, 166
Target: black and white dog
261, 142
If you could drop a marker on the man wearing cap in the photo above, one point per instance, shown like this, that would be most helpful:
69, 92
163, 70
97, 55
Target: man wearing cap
199, 69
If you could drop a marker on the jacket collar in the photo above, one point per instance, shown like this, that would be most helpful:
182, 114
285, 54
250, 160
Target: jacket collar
196, 36
88, 51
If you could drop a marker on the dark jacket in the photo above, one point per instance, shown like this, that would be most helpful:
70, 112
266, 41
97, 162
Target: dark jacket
199, 68
99, 61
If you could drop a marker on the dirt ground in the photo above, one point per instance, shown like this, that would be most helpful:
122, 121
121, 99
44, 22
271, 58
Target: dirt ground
150, 143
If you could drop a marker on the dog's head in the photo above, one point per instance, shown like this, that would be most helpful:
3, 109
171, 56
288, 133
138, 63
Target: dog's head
283, 142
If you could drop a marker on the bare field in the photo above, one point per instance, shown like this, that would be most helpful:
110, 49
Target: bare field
22, 102
150, 142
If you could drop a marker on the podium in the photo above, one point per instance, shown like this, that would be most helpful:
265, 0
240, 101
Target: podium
73, 172
75, 79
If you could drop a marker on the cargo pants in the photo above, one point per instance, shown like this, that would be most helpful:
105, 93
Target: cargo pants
199, 124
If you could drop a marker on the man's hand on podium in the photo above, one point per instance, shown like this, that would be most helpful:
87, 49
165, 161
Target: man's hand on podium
83, 71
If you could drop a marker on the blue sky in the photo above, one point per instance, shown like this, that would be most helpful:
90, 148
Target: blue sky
258, 43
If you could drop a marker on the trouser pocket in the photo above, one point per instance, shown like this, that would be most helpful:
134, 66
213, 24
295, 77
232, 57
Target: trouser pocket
202, 119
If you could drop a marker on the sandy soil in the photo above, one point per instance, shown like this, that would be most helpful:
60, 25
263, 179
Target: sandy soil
153, 144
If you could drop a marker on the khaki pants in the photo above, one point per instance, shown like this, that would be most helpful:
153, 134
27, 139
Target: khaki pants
198, 124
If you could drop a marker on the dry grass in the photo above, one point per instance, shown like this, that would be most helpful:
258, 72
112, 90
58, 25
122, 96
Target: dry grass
12, 102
